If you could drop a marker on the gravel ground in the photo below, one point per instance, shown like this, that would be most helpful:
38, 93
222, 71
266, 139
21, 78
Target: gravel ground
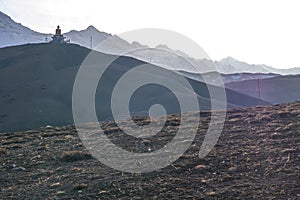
256, 157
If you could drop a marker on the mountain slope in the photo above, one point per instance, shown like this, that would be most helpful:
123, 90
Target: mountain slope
83, 37
36, 83
276, 90
12, 33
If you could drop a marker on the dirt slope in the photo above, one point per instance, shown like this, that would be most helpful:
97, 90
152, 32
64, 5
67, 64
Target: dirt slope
257, 157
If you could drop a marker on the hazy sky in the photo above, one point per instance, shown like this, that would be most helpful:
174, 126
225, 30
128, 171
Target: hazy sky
255, 31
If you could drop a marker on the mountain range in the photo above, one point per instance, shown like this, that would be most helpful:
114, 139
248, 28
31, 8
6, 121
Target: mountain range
44, 156
13, 33
36, 80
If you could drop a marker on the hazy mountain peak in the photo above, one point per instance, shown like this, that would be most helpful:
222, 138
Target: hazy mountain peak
91, 27
163, 46
88, 29
136, 44
229, 60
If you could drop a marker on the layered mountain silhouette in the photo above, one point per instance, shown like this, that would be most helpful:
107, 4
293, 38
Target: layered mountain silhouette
216, 78
13, 33
37, 79
36, 83
256, 156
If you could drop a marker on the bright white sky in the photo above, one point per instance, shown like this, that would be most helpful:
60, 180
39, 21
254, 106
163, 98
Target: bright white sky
255, 31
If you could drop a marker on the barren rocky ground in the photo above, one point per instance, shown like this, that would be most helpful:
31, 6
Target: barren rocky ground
256, 157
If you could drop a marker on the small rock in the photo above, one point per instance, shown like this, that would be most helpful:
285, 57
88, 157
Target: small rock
3, 151
200, 167
80, 186
55, 184
102, 192
211, 193
12, 166
21, 168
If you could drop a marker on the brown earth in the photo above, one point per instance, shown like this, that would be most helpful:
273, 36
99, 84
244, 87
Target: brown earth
257, 157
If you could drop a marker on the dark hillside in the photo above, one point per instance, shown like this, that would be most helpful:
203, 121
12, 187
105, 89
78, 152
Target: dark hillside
36, 82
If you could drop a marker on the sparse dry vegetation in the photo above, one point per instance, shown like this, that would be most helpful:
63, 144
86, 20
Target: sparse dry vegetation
3, 151
257, 157
76, 155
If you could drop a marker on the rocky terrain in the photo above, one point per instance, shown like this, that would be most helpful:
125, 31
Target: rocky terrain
256, 157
